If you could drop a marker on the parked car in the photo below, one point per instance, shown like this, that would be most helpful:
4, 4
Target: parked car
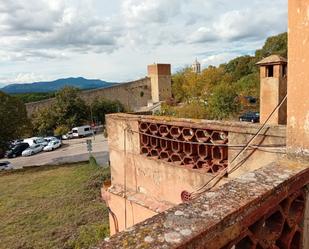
6, 165
18, 141
15, 142
253, 117
82, 131
52, 145
49, 139
69, 135
17, 150
59, 137
35, 148
35, 140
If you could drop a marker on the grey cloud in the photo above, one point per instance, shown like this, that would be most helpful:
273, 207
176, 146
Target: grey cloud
150, 11
52, 30
37, 26
22, 17
241, 24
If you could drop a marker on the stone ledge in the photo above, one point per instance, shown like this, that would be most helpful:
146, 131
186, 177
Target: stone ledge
140, 199
216, 214
231, 126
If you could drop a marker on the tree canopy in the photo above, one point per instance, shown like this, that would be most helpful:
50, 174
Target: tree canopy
69, 110
13, 120
101, 107
33, 97
274, 45
217, 87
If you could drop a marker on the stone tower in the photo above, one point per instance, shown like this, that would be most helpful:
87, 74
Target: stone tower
161, 86
196, 67
273, 88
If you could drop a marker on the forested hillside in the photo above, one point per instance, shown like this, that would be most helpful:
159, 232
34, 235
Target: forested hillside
56, 85
33, 97
216, 93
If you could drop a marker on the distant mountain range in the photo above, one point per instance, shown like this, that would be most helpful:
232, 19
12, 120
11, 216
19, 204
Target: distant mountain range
52, 86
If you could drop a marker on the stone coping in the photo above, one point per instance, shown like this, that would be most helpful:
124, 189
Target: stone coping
231, 126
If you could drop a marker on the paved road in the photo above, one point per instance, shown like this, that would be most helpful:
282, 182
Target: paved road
71, 151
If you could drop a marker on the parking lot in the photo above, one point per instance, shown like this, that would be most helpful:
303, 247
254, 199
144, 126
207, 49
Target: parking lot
74, 150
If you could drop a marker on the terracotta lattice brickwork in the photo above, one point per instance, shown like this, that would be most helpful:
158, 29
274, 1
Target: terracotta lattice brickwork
282, 227
191, 147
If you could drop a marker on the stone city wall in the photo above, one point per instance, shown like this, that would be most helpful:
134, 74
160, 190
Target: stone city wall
132, 95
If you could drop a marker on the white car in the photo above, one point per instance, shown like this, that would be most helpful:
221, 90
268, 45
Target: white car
35, 148
6, 165
35, 140
49, 139
69, 135
52, 145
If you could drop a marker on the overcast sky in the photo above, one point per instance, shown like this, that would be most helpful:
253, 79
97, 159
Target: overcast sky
115, 40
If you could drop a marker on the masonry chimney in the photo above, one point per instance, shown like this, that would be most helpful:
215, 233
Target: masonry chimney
160, 75
273, 89
298, 85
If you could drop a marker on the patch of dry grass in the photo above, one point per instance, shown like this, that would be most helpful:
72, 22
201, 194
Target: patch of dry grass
54, 207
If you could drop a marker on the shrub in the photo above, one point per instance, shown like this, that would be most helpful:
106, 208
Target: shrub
93, 161
223, 102
61, 130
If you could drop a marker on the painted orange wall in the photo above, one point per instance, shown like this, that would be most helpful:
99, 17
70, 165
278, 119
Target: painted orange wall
298, 81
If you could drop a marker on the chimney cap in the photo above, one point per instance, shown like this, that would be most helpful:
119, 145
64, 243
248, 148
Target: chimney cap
272, 60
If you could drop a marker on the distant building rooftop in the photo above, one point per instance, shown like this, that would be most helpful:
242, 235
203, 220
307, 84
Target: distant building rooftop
273, 59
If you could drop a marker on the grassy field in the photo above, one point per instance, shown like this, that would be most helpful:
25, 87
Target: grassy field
55, 207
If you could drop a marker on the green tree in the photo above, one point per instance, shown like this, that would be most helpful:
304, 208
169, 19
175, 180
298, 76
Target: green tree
44, 121
212, 76
249, 85
194, 109
178, 80
274, 45
240, 66
70, 109
61, 130
33, 97
101, 107
13, 120
223, 102
189, 86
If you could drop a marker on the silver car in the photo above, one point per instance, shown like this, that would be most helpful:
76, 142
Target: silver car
69, 135
52, 145
35, 148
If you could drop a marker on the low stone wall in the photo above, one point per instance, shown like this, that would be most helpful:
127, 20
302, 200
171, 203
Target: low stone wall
142, 163
267, 147
133, 95
266, 208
